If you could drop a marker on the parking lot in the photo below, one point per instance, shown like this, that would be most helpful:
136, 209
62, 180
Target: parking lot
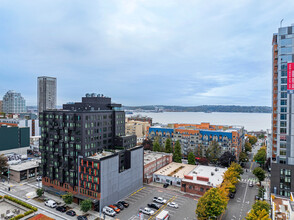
140, 199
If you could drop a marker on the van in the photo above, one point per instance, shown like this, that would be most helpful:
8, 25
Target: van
50, 203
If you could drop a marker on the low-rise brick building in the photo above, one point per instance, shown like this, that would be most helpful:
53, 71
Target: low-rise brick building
153, 161
201, 179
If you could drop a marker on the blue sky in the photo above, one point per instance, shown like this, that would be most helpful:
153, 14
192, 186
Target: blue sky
142, 52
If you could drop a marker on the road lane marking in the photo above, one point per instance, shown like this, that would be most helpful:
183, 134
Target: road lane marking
245, 192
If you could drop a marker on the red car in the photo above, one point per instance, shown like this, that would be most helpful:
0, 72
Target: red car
117, 210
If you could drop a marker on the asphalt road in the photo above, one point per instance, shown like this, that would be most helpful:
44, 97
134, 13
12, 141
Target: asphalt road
186, 211
239, 206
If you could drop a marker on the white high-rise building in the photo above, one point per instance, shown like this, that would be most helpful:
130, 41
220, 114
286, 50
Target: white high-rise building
13, 102
46, 93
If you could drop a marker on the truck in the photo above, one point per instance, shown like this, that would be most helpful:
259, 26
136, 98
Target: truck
163, 215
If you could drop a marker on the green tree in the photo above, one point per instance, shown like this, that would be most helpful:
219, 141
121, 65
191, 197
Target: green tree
39, 192
156, 146
260, 156
67, 198
213, 152
243, 157
212, 204
168, 147
237, 168
3, 163
248, 147
259, 173
261, 136
191, 158
252, 139
177, 156
86, 205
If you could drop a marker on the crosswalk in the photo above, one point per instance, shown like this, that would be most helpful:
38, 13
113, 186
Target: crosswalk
253, 180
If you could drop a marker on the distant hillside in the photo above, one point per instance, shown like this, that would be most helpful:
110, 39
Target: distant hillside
203, 108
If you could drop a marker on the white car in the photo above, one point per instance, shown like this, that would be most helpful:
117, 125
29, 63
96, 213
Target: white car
173, 204
50, 203
108, 211
159, 200
146, 211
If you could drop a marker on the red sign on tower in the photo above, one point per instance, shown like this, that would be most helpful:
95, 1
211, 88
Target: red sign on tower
290, 76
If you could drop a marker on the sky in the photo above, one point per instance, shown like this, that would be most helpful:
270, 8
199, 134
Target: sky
142, 52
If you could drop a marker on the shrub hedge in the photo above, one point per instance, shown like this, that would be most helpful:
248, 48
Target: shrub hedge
32, 208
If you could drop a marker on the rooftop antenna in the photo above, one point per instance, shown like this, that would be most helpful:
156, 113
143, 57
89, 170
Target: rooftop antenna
281, 22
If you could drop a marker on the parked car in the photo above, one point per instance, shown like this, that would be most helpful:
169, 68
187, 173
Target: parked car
117, 210
146, 211
82, 217
250, 183
39, 178
108, 211
61, 208
153, 205
165, 185
119, 205
71, 213
50, 203
173, 205
159, 200
126, 205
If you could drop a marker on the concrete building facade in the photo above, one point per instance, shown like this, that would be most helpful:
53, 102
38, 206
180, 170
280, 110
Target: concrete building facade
32, 124
138, 128
13, 102
1, 106
47, 93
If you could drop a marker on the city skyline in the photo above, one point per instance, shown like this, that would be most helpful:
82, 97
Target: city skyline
143, 53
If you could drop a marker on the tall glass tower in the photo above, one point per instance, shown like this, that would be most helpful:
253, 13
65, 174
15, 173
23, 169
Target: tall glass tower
13, 102
46, 93
282, 149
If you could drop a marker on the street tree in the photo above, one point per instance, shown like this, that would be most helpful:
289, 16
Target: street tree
258, 215
168, 147
236, 167
260, 205
212, 204
177, 155
67, 198
259, 173
39, 192
243, 157
191, 158
260, 156
3, 163
248, 147
252, 139
227, 158
86, 205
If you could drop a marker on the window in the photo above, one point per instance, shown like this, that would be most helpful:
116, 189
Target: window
283, 94
283, 109
283, 102
286, 58
283, 130
285, 42
285, 50
284, 80
283, 124
284, 88
283, 72
283, 117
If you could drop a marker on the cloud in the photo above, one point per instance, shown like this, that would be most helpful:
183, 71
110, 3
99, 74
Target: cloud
142, 51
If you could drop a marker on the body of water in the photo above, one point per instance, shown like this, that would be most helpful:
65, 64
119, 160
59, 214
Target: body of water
251, 121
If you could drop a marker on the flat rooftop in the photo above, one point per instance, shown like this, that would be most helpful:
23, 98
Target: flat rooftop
98, 156
175, 170
25, 165
206, 175
150, 156
282, 206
